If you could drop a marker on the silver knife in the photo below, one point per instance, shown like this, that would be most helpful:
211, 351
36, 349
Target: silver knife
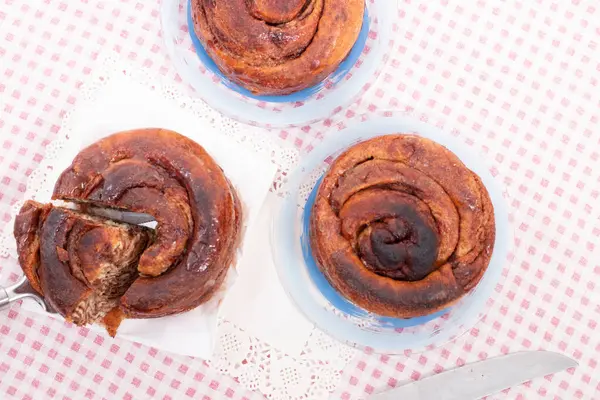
122, 216
483, 378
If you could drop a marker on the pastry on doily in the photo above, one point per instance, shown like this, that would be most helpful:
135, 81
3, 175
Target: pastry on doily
150, 171
172, 178
277, 47
401, 227
81, 264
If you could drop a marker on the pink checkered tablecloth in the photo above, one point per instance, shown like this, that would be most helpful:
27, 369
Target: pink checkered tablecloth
517, 80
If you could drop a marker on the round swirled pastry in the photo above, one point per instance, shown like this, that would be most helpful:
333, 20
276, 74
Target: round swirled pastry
274, 47
172, 178
401, 227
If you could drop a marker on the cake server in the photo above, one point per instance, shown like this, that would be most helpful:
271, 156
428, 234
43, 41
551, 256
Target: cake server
21, 289
482, 378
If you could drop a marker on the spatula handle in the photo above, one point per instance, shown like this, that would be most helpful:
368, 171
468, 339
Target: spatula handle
10, 294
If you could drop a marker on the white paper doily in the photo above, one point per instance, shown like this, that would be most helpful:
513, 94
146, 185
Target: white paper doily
256, 364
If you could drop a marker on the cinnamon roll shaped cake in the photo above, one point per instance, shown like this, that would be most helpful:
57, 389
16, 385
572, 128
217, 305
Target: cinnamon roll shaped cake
401, 227
172, 178
274, 47
78, 261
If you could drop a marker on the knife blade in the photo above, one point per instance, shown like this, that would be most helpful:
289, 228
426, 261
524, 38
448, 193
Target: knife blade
483, 378
122, 216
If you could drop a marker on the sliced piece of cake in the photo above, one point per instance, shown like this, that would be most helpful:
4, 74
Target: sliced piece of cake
81, 264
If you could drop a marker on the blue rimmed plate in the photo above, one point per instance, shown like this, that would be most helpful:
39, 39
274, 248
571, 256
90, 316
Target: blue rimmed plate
331, 312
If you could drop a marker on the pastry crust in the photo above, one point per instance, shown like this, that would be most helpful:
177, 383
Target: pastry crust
25, 230
401, 226
276, 47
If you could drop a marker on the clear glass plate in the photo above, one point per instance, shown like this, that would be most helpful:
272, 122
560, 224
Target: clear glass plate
352, 78
323, 305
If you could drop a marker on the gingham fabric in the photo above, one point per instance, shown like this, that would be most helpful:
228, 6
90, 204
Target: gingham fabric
516, 80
